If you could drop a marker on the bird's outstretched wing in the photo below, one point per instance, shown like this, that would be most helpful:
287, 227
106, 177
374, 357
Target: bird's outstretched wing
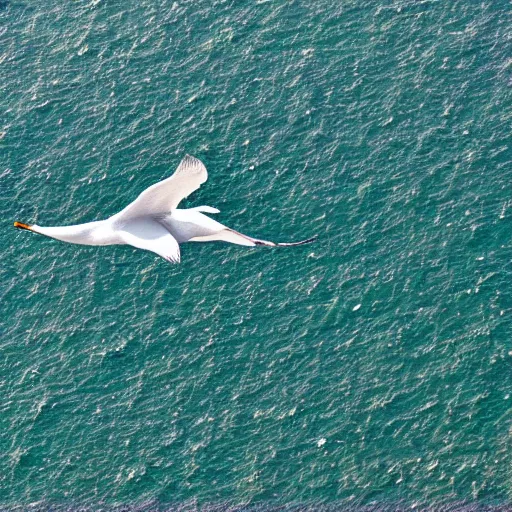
149, 235
163, 197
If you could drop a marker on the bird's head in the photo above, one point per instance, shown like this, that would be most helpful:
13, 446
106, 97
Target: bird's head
22, 226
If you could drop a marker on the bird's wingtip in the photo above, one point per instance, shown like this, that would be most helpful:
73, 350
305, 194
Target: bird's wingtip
189, 161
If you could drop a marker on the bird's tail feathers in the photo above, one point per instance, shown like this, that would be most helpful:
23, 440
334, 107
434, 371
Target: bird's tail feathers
205, 209
283, 244
256, 241
234, 237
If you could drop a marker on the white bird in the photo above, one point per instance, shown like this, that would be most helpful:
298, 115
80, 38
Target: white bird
154, 222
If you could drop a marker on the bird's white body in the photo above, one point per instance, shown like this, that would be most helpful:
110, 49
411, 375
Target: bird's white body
91, 233
154, 223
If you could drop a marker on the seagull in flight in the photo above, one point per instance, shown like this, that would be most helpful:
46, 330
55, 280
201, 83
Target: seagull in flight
154, 222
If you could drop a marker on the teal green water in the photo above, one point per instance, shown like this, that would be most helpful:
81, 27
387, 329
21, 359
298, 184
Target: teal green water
372, 366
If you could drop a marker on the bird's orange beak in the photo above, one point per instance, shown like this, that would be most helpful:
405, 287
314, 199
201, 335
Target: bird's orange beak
22, 226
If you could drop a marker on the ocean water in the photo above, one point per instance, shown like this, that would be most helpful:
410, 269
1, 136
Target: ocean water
369, 369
